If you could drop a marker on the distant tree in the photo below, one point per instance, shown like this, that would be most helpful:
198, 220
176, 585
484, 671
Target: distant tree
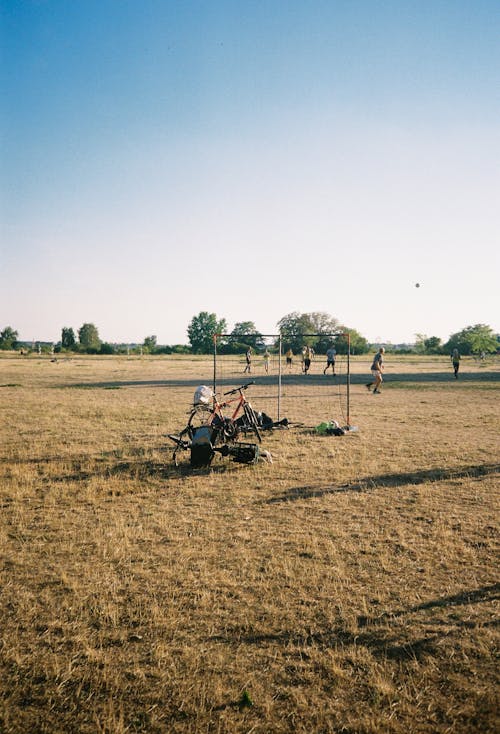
323, 323
106, 348
89, 338
428, 344
68, 338
294, 327
149, 344
245, 334
473, 340
179, 349
420, 343
433, 345
358, 343
202, 329
8, 338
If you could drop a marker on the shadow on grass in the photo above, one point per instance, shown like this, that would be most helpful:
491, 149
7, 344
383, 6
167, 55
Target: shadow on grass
138, 465
113, 464
385, 480
483, 594
142, 469
300, 379
383, 644
388, 647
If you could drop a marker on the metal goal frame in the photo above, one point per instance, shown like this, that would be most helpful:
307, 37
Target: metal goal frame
279, 338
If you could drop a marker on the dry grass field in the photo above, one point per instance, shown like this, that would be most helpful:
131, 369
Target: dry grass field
350, 586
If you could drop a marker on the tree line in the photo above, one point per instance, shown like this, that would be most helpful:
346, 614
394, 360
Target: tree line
316, 329
320, 330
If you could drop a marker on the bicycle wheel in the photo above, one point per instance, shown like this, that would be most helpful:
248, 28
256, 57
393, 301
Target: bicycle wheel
252, 421
226, 430
199, 416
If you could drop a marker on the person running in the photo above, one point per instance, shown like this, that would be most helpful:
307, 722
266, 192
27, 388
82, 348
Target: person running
248, 359
330, 359
377, 368
455, 360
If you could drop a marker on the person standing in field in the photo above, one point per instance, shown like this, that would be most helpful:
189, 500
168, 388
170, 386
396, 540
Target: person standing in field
308, 355
330, 359
377, 368
266, 360
455, 360
289, 359
248, 359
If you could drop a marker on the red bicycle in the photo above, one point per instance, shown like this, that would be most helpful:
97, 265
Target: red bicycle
223, 429
242, 418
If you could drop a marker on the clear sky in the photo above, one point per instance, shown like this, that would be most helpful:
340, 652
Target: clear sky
160, 158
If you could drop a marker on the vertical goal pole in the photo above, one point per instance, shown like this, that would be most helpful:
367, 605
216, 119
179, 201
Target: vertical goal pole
279, 375
215, 364
348, 378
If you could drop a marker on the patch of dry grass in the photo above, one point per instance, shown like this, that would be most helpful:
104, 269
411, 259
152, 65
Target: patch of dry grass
350, 586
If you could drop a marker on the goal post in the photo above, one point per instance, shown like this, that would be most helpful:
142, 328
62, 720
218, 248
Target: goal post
280, 384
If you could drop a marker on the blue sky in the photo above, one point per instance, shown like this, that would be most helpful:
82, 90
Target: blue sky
249, 159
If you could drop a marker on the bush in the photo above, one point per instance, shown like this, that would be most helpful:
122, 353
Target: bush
106, 348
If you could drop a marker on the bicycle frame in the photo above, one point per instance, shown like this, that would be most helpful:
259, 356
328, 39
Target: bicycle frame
216, 414
240, 400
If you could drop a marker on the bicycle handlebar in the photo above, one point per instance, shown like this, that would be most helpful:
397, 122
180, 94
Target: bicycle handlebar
237, 389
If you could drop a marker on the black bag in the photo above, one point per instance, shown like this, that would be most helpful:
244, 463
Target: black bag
202, 450
335, 431
244, 453
264, 421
